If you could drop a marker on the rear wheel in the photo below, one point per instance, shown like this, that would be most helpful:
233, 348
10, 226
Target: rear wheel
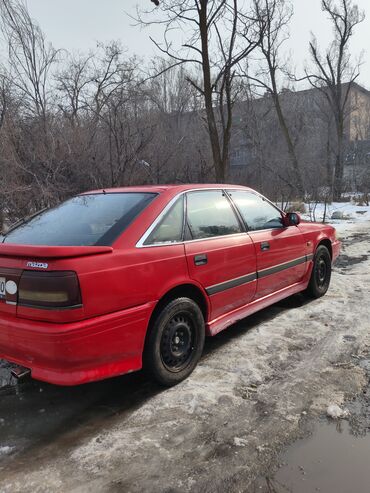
175, 342
321, 273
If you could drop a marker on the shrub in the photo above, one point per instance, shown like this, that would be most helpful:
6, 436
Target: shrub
296, 207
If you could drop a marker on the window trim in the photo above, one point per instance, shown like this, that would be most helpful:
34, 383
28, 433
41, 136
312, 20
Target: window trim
158, 219
265, 199
232, 207
141, 242
163, 214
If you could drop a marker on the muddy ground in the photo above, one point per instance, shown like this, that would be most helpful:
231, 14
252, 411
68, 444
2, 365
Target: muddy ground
260, 385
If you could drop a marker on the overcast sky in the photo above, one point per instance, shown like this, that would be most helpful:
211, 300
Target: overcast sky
78, 24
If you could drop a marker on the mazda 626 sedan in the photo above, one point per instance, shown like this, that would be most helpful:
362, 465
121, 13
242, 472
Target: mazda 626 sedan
115, 280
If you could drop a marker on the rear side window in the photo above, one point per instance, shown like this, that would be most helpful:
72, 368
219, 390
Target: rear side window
170, 228
95, 219
210, 214
257, 212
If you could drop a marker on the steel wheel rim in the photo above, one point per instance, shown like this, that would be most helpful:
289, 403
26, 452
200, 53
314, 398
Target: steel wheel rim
321, 272
178, 342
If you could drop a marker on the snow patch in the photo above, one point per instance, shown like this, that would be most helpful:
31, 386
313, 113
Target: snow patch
336, 412
342, 215
240, 442
6, 450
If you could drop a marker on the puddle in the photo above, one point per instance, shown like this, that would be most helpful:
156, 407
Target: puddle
332, 460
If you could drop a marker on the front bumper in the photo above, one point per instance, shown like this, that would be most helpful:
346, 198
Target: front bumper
79, 352
336, 245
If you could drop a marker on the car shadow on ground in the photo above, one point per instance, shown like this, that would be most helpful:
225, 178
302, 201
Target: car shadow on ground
34, 414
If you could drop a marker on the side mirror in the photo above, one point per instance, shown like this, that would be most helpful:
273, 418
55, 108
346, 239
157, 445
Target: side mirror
292, 219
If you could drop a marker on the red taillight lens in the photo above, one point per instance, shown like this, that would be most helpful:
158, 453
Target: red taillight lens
48, 290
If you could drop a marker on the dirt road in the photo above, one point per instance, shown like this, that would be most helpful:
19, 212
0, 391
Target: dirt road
259, 386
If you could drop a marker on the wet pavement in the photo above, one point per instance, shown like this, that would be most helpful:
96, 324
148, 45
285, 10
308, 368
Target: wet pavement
33, 412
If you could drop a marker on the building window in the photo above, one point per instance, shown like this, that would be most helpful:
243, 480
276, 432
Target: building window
240, 156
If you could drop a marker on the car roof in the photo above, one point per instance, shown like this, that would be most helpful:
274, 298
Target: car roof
162, 188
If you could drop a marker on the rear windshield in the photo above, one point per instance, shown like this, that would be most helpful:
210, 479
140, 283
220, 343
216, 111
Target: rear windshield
96, 219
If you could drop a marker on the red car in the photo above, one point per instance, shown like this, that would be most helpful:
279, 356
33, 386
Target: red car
113, 280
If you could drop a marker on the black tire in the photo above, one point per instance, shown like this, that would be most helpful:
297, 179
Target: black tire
175, 342
321, 273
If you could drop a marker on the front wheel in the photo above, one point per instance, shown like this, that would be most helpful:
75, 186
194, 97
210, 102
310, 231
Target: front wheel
175, 342
321, 273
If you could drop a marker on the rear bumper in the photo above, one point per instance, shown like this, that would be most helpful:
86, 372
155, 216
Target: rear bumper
79, 352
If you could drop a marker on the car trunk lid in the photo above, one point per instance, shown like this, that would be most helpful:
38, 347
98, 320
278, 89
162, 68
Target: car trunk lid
16, 259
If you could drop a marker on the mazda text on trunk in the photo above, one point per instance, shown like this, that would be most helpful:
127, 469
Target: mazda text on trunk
115, 280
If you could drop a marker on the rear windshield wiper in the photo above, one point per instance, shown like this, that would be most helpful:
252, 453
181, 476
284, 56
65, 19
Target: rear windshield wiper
20, 222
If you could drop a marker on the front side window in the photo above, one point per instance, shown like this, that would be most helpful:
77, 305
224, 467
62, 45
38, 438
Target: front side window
209, 214
93, 219
170, 228
257, 212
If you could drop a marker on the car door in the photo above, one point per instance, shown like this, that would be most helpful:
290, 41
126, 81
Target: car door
220, 254
280, 250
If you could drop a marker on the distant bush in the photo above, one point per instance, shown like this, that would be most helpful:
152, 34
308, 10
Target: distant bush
362, 200
344, 199
296, 207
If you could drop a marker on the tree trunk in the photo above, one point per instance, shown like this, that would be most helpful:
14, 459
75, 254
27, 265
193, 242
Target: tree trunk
207, 88
339, 169
338, 176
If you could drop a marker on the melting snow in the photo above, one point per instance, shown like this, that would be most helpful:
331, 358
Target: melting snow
6, 450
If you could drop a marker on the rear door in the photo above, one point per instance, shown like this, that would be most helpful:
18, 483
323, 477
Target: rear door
220, 254
280, 250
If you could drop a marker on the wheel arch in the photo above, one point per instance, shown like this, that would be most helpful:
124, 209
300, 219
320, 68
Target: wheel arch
327, 243
186, 290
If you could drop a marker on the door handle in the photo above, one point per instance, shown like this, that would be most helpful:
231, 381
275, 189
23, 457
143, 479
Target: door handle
265, 245
200, 259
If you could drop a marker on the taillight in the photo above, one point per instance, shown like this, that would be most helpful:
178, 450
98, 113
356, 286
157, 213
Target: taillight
49, 290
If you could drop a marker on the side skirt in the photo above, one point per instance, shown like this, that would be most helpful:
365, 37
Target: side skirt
221, 323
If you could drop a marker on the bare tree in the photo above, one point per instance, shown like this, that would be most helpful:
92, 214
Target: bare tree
169, 90
334, 73
4, 89
73, 84
30, 57
213, 48
88, 122
29, 68
272, 21
180, 150
72, 122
